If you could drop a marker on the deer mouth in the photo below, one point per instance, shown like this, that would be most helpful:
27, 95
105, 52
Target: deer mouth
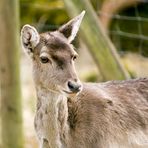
69, 92
72, 93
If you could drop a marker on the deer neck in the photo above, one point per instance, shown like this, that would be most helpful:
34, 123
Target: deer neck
53, 106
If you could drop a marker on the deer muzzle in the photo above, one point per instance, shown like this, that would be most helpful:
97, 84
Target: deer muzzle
74, 87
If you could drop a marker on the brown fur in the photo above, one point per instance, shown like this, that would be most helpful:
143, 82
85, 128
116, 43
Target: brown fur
110, 115
103, 115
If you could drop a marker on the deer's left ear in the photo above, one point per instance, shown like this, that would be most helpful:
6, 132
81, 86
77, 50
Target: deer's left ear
29, 38
70, 29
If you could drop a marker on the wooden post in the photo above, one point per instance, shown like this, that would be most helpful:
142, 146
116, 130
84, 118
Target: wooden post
10, 101
97, 41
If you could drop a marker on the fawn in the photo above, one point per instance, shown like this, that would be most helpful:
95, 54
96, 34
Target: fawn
72, 114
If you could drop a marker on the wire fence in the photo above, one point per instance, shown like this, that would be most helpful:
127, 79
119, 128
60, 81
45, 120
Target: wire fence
136, 16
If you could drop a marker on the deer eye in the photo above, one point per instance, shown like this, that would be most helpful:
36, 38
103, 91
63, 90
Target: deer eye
44, 59
74, 57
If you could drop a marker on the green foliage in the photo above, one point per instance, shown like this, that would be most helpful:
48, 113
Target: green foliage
43, 14
91, 77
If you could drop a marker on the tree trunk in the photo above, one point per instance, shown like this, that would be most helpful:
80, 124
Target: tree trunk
112, 7
97, 41
10, 101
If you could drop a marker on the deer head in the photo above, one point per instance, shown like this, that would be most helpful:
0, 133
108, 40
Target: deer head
53, 56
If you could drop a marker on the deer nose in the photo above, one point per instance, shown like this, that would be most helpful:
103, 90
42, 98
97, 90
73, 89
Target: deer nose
74, 86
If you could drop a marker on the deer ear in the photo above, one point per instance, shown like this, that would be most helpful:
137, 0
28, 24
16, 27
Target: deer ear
29, 38
70, 29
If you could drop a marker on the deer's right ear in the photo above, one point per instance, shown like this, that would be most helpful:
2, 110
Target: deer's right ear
29, 38
70, 29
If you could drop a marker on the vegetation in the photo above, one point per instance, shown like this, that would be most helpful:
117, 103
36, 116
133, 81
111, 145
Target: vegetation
43, 14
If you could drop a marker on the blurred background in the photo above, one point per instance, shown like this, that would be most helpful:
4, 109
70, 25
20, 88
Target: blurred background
112, 45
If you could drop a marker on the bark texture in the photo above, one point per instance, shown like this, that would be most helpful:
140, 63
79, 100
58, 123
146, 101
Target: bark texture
10, 101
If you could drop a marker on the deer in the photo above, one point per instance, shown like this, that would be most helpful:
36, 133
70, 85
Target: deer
75, 114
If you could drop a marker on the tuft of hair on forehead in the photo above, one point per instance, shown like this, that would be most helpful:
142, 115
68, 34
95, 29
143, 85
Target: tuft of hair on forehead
56, 45
55, 41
